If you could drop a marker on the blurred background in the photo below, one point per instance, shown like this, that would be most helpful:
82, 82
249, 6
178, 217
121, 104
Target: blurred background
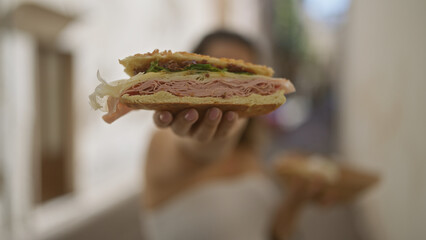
359, 68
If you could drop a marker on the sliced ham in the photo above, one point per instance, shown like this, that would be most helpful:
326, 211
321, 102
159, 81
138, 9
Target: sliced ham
223, 88
115, 110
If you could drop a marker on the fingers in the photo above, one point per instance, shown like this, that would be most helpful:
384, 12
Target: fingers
229, 119
183, 122
207, 128
188, 123
162, 119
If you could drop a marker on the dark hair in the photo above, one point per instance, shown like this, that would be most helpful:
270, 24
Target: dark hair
250, 136
222, 34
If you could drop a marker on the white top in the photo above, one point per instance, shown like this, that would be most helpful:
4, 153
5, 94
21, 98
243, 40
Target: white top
240, 208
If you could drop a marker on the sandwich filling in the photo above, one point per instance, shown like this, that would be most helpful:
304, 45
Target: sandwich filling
185, 65
221, 88
221, 85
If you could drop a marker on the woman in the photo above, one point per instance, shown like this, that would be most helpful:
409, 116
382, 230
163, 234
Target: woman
204, 173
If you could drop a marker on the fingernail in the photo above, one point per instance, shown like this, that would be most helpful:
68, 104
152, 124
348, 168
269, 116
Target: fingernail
230, 116
164, 117
191, 115
214, 114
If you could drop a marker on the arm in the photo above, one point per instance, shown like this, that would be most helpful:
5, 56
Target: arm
301, 192
184, 145
287, 217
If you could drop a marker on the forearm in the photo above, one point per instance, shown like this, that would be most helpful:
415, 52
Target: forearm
287, 217
173, 160
205, 152
178, 152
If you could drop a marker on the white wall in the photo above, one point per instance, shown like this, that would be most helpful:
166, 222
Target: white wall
383, 111
108, 158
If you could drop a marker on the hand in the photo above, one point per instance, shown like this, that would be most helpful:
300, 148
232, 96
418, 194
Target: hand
315, 189
214, 125
302, 189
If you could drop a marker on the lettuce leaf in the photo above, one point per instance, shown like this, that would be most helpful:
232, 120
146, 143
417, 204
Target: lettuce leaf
204, 67
154, 67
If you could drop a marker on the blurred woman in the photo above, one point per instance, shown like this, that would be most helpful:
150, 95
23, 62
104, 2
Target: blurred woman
204, 172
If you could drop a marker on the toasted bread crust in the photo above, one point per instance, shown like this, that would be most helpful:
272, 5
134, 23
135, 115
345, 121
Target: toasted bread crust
138, 61
251, 106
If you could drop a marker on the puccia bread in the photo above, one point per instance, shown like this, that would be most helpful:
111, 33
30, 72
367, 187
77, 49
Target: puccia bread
176, 81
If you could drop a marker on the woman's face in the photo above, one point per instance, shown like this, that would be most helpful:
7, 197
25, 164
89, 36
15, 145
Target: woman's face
229, 49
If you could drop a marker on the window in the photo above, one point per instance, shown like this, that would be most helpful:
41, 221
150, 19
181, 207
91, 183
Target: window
53, 138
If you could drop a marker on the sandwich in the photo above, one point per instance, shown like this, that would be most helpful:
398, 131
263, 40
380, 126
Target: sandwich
173, 82
342, 183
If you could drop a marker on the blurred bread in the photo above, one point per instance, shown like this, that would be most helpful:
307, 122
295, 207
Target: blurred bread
141, 61
343, 181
